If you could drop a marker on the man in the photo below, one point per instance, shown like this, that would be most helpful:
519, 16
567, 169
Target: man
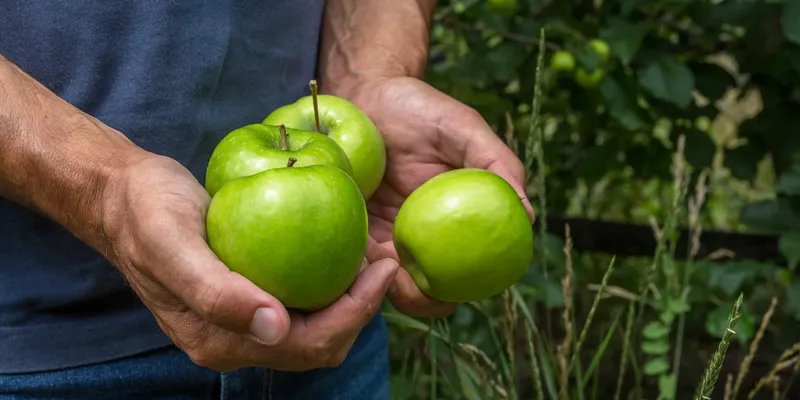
109, 111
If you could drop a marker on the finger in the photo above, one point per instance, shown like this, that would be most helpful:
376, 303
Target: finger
356, 307
377, 251
513, 172
405, 295
484, 149
194, 274
407, 298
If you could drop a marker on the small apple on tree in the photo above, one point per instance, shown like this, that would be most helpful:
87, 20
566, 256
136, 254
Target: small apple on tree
562, 61
502, 7
586, 79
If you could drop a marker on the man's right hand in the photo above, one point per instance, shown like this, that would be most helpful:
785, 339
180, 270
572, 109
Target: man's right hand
146, 214
154, 218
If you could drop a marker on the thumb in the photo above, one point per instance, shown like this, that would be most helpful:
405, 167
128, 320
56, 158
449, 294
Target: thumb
515, 176
485, 150
220, 296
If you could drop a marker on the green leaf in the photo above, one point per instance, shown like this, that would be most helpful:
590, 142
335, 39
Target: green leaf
621, 105
774, 214
793, 298
784, 276
655, 330
717, 323
598, 354
666, 317
667, 386
595, 162
712, 80
743, 161
549, 290
678, 306
722, 13
789, 182
656, 366
624, 38
626, 6
404, 321
731, 275
789, 246
505, 59
657, 347
790, 21
667, 79
552, 247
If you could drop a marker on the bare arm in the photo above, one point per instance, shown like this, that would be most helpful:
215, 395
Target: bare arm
54, 158
363, 40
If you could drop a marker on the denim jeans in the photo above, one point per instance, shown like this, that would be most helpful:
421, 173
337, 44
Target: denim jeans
168, 373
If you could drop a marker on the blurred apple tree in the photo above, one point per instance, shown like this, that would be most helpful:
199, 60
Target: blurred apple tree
625, 79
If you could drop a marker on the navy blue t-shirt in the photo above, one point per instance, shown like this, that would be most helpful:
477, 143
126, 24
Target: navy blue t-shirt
173, 75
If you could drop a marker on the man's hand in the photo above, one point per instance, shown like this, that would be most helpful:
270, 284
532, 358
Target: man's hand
426, 133
146, 214
155, 219
374, 53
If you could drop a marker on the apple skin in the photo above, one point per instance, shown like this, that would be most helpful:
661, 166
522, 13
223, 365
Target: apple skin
502, 7
600, 47
257, 147
464, 235
588, 80
348, 126
562, 61
299, 233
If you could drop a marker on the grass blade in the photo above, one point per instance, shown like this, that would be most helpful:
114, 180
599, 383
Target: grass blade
711, 373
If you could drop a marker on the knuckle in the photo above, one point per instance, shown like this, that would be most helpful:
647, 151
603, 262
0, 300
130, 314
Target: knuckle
319, 354
206, 359
195, 345
201, 359
211, 302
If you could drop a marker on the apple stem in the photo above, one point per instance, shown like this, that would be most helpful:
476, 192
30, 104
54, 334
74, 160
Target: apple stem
314, 91
284, 138
291, 162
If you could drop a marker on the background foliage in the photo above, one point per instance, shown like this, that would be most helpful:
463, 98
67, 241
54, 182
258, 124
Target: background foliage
722, 75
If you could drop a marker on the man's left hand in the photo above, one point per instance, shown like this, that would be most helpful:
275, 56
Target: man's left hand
426, 133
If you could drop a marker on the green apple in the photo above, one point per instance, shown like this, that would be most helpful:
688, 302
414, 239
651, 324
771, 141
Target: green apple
562, 61
258, 147
600, 47
347, 125
464, 235
503, 7
703, 123
589, 80
299, 233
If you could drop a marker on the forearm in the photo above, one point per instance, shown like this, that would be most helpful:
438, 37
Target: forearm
54, 158
362, 40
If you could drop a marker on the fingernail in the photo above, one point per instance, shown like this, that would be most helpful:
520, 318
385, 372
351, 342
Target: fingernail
266, 326
528, 207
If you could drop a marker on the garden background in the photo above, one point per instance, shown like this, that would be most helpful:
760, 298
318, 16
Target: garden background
665, 175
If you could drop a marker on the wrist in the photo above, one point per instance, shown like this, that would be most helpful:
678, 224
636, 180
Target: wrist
55, 159
375, 40
73, 183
